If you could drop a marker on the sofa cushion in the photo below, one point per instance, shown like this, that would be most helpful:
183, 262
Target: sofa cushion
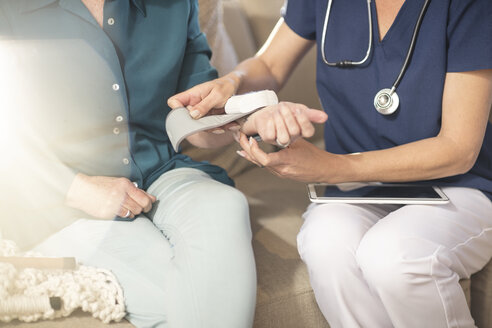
285, 298
77, 319
481, 297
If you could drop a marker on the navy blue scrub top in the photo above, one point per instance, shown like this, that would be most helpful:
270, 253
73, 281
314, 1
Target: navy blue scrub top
455, 36
114, 81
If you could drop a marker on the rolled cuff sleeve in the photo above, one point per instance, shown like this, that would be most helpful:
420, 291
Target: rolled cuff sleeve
196, 67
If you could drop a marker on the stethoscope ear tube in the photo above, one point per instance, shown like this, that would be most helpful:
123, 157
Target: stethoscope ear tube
346, 63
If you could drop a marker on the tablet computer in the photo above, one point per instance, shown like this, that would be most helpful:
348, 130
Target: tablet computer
376, 193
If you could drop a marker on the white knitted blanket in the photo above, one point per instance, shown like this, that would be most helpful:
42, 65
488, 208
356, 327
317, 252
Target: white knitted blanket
25, 293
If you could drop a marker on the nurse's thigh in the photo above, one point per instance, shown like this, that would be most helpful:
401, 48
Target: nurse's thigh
327, 243
207, 224
418, 254
136, 252
333, 231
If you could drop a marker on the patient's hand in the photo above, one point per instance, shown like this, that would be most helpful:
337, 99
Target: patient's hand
282, 124
202, 98
107, 197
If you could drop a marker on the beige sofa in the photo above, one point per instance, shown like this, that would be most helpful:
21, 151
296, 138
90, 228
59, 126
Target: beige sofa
284, 298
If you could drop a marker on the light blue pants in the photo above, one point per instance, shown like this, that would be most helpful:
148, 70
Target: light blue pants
190, 266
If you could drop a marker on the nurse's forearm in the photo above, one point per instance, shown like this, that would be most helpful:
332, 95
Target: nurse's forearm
275, 61
421, 160
254, 74
467, 100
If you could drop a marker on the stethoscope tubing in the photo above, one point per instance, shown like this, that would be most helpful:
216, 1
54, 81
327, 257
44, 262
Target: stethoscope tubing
349, 63
346, 63
411, 47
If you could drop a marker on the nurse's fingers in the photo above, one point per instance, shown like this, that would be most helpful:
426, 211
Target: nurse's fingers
245, 155
215, 99
186, 98
246, 144
204, 97
258, 155
214, 95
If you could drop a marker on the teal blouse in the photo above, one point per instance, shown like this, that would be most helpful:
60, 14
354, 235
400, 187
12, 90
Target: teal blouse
100, 93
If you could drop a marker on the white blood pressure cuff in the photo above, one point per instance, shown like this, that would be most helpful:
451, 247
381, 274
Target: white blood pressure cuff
179, 123
250, 102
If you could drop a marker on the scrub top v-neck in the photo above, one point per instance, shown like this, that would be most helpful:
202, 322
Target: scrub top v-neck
455, 36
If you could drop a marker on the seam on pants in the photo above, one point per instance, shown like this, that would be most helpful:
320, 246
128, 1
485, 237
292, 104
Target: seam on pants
177, 235
471, 238
434, 261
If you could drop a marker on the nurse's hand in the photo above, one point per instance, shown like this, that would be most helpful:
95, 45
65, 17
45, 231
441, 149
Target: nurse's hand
282, 124
301, 161
203, 97
108, 197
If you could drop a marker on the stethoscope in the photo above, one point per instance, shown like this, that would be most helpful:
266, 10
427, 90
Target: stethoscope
386, 101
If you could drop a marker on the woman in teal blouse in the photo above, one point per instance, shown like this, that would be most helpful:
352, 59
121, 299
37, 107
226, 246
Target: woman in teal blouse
89, 82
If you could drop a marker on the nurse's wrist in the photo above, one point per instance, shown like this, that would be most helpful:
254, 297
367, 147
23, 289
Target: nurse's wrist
235, 78
357, 168
338, 168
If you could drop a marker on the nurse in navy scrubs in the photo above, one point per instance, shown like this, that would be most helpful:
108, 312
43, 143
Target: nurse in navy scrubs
388, 265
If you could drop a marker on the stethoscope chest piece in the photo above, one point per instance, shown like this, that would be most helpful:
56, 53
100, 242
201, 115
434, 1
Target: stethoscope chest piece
386, 101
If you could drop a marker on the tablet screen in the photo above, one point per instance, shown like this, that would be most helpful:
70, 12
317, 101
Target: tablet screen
382, 193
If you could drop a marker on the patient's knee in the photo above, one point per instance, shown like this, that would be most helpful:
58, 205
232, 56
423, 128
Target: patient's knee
227, 205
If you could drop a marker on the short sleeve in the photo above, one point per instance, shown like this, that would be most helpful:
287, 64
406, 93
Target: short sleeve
300, 16
469, 35
196, 67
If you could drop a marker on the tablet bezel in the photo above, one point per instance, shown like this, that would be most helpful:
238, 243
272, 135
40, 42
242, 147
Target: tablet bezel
313, 197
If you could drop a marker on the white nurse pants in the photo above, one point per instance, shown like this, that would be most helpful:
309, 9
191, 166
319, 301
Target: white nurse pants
191, 266
379, 266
